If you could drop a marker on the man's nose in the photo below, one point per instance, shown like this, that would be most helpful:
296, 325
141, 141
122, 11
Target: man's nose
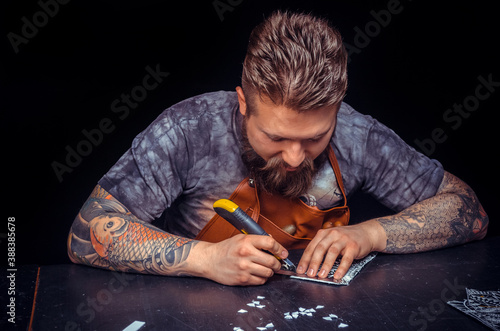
293, 154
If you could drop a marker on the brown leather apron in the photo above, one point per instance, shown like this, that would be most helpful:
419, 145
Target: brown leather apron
273, 213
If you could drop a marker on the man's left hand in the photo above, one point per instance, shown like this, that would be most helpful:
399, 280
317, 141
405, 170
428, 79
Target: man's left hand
351, 242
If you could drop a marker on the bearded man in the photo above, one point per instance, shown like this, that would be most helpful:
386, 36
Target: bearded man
290, 152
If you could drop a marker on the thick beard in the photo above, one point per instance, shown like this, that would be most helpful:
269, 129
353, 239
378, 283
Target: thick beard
272, 176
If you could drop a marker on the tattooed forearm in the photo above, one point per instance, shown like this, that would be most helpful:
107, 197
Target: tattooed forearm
106, 234
453, 216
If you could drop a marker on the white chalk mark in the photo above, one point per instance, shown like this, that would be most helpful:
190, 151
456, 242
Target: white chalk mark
260, 297
134, 326
270, 326
343, 325
319, 307
241, 311
327, 318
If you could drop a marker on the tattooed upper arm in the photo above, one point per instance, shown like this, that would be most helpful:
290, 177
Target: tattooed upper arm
453, 216
471, 210
106, 234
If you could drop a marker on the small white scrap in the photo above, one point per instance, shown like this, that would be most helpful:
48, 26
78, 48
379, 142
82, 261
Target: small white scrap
301, 309
256, 302
260, 297
134, 326
343, 325
328, 318
260, 306
237, 328
251, 304
242, 311
333, 316
269, 326
295, 314
319, 306
262, 328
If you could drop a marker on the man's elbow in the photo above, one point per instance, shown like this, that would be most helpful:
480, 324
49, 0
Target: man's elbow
71, 254
480, 224
75, 249
79, 250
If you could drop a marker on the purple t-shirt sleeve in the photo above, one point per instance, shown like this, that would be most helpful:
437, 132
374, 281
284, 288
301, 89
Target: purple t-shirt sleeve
139, 179
186, 158
374, 159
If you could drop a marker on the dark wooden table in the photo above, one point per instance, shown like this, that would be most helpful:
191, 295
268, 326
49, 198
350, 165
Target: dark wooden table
393, 292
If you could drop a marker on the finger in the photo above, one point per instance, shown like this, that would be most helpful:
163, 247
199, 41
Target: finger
249, 279
315, 252
265, 249
261, 271
269, 244
345, 264
316, 260
252, 270
254, 280
266, 260
306, 258
328, 263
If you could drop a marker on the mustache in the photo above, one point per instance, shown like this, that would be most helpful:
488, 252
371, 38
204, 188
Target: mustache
288, 183
272, 177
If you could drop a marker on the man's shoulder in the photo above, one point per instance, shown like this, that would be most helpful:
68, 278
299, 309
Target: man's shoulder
200, 114
352, 127
210, 103
357, 135
348, 117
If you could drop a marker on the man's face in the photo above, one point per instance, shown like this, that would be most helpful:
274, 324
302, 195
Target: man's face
289, 144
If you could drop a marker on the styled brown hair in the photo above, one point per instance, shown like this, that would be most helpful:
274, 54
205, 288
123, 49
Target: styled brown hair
296, 60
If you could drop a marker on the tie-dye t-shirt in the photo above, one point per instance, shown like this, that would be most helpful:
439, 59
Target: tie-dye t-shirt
190, 156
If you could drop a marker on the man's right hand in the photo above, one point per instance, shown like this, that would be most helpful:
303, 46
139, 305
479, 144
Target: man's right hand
239, 260
104, 223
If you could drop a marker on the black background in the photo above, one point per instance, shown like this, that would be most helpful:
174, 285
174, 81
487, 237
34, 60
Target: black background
65, 78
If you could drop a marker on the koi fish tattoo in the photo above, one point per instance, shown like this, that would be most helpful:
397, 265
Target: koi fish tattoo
105, 234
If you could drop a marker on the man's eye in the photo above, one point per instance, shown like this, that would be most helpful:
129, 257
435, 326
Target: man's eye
277, 139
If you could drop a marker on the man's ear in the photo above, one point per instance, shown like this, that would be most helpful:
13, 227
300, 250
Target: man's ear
241, 100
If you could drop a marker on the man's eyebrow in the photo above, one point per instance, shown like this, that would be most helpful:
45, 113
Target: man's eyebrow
275, 136
322, 134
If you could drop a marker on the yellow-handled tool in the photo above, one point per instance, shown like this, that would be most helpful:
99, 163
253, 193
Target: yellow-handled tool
232, 213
